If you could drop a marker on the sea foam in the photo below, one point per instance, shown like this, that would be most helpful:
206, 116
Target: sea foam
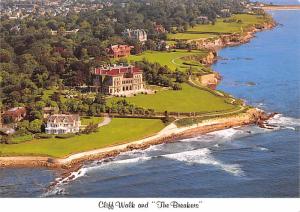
204, 156
286, 122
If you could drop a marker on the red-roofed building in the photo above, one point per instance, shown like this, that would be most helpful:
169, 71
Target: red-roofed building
15, 114
115, 80
116, 51
159, 28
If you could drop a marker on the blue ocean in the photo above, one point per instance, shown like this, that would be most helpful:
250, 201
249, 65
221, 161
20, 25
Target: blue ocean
240, 162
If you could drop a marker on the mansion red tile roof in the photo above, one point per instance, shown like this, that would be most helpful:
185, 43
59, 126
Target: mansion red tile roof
117, 70
119, 50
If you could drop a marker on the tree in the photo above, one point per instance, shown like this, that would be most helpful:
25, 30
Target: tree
56, 97
100, 99
5, 56
166, 119
150, 45
6, 139
35, 114
176, 87
35, 126
92, 110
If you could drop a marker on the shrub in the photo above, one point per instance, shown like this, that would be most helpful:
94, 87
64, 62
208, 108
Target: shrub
176, 87
90, 128
63, 136
43, 136
5, 139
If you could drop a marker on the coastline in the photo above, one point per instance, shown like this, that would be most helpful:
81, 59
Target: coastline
170, 133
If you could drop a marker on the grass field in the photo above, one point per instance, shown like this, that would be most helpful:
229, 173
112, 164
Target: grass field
210, 31
88, 119
173, 60
117, 132
189, 35
189, 99
20, 139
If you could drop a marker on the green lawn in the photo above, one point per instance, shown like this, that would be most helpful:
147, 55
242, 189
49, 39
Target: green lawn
189, 99
174, 59
20, 139
210, 31
88, 119
189, 35
117, 132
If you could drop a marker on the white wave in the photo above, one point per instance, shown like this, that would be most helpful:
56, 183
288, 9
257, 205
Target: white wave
283, 121
227, 133
203, 156
154, 148
60, 182
263, 148
260, 105
131, 160
291, 128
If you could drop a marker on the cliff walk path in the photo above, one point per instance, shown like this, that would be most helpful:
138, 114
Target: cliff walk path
239, 109
105, 121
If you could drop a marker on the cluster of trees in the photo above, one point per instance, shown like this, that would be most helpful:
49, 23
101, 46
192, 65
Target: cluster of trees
97, 105
155, 74
123, 107
25, 127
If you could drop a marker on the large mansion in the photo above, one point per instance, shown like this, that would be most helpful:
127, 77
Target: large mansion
116, 51
118, 79
137, 34
62, 124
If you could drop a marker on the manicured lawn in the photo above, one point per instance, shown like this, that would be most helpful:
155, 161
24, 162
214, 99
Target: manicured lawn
189, 35
117, 132
89, 119
189, 99
210, 31
21, 139
173, 60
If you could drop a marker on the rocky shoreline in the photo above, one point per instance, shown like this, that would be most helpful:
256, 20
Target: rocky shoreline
236, 39
169, 134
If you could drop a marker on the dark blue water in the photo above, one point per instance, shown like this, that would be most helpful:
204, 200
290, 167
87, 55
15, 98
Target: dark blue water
241, 162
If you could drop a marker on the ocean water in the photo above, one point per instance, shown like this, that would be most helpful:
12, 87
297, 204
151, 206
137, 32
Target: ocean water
240, 162
281, 1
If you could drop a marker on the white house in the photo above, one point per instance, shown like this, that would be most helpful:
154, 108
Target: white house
62, 124
138, 34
